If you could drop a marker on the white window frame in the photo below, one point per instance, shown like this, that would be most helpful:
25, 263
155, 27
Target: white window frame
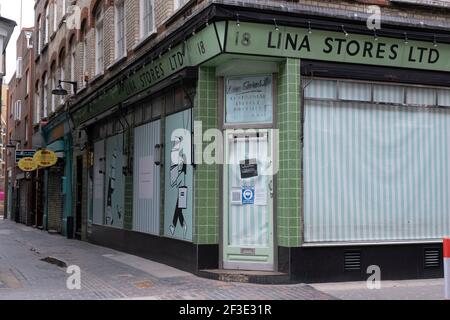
19, 68
45, 94
99, 42
73, 56
144, 33
47, 24
39, 35
37, 104
120, 52
178, 4
18, 110
27, 82
55, 16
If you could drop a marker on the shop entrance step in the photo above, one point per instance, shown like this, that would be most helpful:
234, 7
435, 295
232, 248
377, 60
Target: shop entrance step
246, 276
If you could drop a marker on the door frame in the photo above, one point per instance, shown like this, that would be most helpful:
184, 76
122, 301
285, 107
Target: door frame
221, 123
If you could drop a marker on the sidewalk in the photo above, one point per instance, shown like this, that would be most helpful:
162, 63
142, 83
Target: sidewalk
109, 274
428, 289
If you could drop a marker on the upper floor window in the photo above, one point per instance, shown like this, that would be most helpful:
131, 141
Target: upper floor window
18, 110
45, 96
39, 35
120, 29
46, 24
27, 82
99, 62
37, 104
83, 54
179, 3
147, 18
55, 16
19, 68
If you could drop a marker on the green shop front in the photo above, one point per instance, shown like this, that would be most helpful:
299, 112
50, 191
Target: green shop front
289, 146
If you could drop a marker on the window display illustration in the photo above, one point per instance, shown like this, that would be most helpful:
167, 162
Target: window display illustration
179, 174
114, 182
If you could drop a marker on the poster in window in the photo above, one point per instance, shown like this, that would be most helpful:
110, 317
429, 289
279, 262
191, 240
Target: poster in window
249, 99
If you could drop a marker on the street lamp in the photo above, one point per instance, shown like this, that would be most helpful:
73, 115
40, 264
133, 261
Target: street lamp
60, 91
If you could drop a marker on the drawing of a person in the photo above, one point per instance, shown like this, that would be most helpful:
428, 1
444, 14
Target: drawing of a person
178, 172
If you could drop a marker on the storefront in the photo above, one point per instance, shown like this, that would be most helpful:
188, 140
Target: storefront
329, 152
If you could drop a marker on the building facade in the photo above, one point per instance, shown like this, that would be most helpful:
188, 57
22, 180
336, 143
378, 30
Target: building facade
19, 131
320, 121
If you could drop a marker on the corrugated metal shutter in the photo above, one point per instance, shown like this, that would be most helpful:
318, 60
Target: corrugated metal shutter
146, 198
376, 172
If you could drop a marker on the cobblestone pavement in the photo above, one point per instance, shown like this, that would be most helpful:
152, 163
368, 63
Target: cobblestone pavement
109, 274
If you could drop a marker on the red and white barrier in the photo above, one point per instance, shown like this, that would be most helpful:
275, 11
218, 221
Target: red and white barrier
447, 267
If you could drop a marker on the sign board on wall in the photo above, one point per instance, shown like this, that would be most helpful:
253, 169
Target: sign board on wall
249, 99
263, 39
28, 153
45, 158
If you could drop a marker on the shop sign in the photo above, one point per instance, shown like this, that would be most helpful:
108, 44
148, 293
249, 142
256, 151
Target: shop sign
20, 154
45, 158
249, 99
262, 39
27, 164
199, 48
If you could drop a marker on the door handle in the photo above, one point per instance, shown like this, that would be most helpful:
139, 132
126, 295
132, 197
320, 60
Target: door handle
271, 188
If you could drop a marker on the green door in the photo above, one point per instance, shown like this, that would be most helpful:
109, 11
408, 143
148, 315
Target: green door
248, 201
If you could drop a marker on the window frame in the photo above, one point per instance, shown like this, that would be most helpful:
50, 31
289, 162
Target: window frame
123, 53
99, 41
142, 16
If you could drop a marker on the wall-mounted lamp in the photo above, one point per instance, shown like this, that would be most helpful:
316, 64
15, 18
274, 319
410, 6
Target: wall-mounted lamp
60, 91
158, 154
10, 145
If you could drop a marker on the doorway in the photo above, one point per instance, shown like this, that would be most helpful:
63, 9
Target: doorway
79, 197
248, 228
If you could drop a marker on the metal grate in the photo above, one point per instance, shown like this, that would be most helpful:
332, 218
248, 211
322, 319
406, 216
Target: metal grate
432, 258
352, 260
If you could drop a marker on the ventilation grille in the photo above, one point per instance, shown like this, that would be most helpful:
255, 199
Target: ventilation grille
352, 260
432, 258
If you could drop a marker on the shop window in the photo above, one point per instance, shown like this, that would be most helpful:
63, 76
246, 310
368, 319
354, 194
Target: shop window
249, 99
421, 96
325, 89
355, 91
388, 94
444, 98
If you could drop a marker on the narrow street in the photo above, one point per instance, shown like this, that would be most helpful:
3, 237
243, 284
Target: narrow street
108, 274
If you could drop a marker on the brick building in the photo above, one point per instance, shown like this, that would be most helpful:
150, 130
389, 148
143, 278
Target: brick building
145, 69
19, 129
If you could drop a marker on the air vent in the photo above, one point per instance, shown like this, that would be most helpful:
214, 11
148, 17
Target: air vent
432, 258
352, 260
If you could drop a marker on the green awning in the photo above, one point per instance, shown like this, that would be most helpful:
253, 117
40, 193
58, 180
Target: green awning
57, 146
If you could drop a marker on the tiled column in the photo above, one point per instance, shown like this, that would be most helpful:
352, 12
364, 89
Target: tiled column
289, 190
206, 177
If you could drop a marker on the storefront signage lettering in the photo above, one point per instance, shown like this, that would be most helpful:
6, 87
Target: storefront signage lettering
197, 49
260, 39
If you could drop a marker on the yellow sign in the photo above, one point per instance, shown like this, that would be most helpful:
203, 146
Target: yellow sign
45, 158
27, 164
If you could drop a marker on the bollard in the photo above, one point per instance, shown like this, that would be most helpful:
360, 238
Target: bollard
447, 267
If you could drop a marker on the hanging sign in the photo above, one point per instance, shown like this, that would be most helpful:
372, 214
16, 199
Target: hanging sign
45, 158
27, 164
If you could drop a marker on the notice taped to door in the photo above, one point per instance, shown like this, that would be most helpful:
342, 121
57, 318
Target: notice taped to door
249, 169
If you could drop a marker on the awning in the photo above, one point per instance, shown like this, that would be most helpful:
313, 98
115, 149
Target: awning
57, 146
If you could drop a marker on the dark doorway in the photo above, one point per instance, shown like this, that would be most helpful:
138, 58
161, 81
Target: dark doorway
38, 199
79, 196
